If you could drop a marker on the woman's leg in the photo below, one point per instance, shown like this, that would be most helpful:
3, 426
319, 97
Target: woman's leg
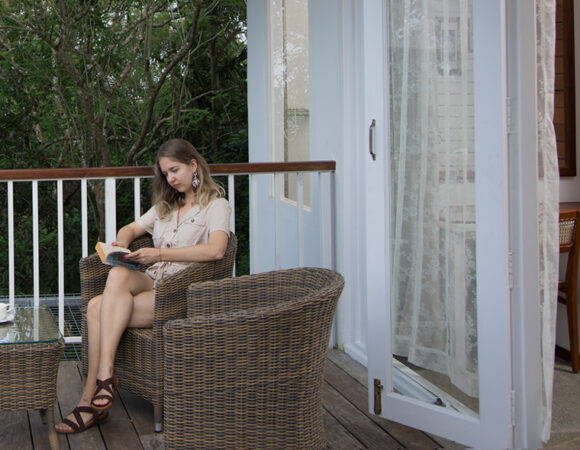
93, 328
128, 300
108, 317
94, 345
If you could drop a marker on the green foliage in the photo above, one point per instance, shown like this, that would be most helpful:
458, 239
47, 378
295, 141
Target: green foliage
104, 83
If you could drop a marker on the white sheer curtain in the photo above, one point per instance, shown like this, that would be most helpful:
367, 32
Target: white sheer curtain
548, 179
432, 163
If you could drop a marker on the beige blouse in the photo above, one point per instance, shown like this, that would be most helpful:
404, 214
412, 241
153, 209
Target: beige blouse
194, 228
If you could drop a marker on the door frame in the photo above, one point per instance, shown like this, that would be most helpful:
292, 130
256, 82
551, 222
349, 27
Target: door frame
524, 235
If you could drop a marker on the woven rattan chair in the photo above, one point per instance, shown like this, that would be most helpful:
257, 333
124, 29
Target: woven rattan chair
245, 369
567, 288
139, 359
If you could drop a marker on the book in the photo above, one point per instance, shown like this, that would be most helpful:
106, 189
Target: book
113, 255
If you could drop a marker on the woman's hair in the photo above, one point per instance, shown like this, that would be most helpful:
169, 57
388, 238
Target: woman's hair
165, 197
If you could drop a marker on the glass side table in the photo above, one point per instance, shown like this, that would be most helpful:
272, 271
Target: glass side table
31, 347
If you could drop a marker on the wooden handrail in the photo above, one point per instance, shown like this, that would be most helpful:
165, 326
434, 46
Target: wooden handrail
147, 171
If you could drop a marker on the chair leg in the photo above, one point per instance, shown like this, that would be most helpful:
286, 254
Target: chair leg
158, 418
572, 313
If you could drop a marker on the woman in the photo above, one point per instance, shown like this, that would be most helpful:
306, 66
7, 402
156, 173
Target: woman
188, 222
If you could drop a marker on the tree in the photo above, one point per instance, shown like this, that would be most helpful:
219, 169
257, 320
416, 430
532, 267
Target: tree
94, 83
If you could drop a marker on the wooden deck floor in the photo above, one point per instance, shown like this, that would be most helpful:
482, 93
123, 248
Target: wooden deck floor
130, 424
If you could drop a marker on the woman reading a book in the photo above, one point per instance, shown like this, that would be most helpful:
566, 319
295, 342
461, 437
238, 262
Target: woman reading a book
189, 222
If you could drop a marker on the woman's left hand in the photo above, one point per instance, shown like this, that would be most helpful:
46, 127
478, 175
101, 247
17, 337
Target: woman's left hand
144, 255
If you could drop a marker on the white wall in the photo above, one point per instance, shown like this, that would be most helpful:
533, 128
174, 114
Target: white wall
570, 186
334, 112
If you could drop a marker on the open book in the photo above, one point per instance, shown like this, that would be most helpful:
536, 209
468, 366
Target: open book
114, 256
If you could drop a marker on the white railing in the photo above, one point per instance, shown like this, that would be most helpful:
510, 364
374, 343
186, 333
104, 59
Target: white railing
324, 183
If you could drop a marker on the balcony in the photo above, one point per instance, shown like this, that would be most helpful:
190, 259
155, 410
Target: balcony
265, 218
133, 424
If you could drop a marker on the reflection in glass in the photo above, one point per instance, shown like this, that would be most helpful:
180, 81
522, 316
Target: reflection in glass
290, 95
30, 325
433, 292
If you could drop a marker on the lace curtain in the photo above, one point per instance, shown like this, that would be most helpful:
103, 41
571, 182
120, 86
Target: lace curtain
548, 180
432, 162
433, 195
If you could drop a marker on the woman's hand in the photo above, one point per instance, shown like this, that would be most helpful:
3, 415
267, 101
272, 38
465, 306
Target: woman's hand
144, 255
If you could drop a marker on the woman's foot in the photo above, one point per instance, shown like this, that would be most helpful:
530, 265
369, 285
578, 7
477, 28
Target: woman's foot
81, 418
105, 393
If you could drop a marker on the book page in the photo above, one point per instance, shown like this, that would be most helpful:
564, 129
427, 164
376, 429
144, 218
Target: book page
113, 255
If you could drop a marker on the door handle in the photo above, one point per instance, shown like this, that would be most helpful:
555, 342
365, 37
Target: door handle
372, 140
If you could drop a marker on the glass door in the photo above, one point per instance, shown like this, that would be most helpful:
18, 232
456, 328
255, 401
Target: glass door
438, 162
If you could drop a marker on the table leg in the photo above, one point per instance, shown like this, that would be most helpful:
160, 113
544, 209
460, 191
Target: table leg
48, 419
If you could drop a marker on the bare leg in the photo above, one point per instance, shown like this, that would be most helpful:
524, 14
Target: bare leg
128, 300
93, 328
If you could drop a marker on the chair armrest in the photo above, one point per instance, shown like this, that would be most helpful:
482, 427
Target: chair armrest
141, 242
171, 293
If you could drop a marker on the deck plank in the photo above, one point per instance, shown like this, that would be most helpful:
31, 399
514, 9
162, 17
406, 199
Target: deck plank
14, 430
118, 430
357, 394
39, 431
337, 436
141, 413
348, 425
358, 424
69, 388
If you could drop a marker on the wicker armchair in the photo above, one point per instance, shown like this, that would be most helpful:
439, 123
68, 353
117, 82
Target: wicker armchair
139, 359
245, 369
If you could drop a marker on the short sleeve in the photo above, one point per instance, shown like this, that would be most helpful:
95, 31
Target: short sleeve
147, 220
218, 216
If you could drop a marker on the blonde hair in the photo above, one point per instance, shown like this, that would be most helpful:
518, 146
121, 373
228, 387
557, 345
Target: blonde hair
165, 197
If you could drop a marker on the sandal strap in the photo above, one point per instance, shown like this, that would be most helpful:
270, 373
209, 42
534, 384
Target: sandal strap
103, 397
105, 391
107, 385
80, 423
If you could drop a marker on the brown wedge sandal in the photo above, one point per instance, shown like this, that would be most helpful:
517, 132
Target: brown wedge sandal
80, 425
109, 386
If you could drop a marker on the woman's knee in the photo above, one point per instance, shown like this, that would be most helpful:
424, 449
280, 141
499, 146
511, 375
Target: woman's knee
118, 274
94, 308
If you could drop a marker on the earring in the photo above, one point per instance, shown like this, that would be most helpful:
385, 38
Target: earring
195, 182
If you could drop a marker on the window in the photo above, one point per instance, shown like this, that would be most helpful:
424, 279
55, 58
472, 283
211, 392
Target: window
289, 90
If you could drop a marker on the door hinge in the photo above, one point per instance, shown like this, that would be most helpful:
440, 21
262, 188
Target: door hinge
378, 403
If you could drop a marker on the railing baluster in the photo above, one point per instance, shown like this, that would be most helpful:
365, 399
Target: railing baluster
300, 207
232, 202
11, 242
110, 210
254, 259
84, 218
60, 225
137, 197
278, 180
327, 191
35, 245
